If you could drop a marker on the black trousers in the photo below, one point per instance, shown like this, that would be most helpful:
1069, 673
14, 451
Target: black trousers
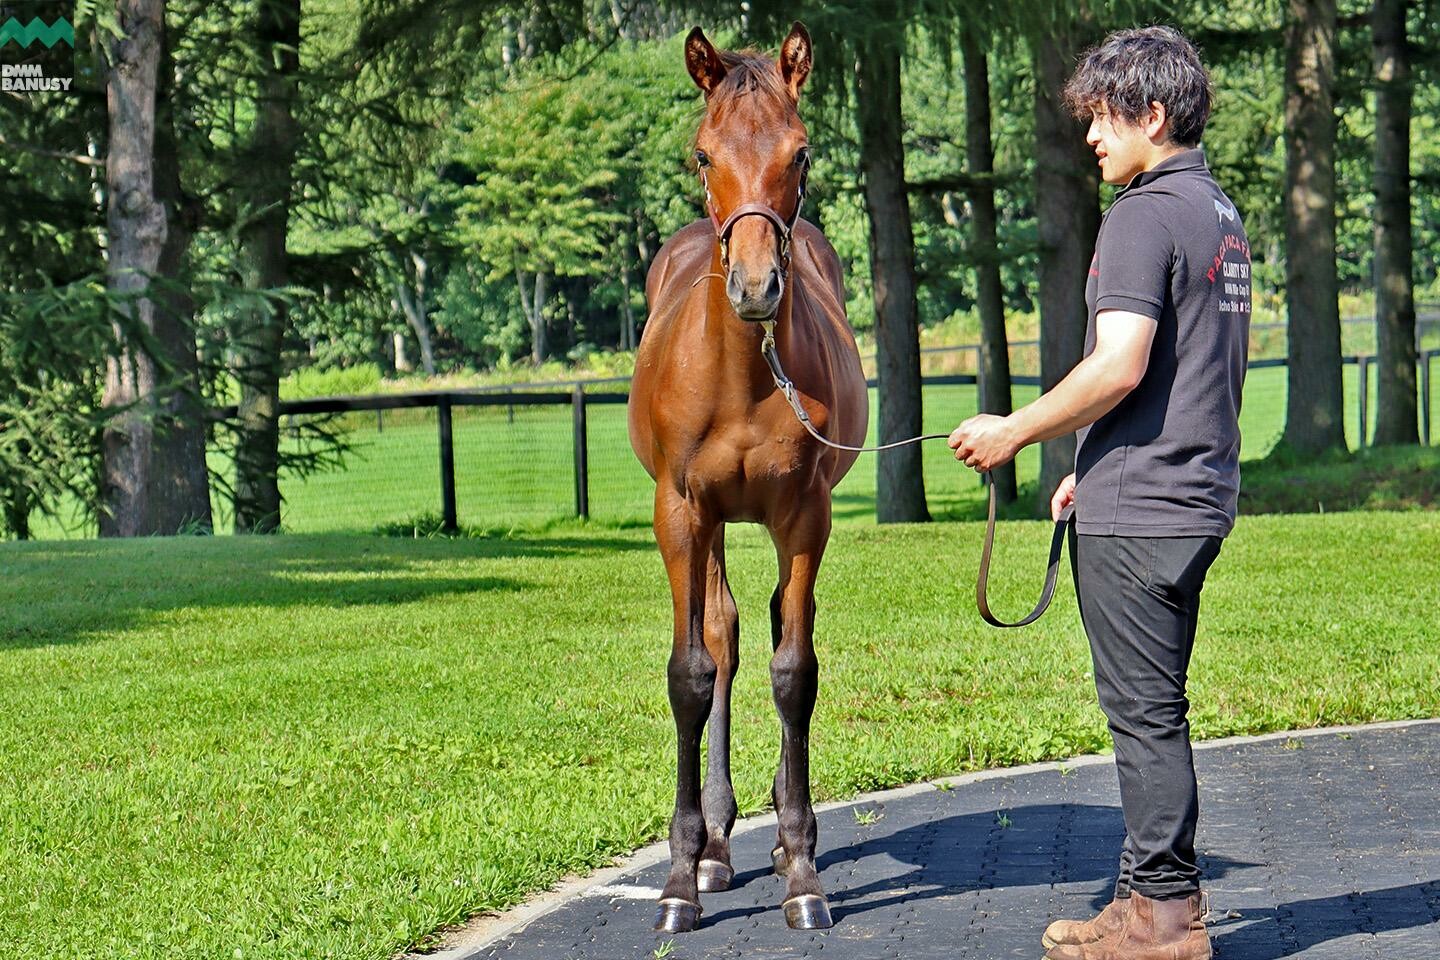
1139, 600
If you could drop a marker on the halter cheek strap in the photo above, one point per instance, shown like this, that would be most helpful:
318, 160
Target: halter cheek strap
784, 228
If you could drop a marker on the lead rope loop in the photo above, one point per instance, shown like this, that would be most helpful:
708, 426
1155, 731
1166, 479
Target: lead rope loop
982, 581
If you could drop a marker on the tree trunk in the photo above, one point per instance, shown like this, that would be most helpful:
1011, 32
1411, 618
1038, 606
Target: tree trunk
153, 448
994, 369
1314, 408
267, 180
900, 482
181, 484
413, 306
17, 513
402, 356
536, 315
1396, 420
1067, 184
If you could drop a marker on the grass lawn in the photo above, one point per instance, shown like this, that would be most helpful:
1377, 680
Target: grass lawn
306, 747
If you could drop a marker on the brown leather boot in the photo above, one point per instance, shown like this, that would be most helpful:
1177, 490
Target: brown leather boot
1108, 921
1152, 930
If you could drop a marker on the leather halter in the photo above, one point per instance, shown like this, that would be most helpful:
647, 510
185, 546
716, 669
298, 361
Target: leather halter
784, 228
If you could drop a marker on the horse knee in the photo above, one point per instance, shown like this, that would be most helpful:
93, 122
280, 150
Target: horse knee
795, 678
691, 676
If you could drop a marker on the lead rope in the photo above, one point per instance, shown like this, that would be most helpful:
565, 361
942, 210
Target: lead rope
982, 582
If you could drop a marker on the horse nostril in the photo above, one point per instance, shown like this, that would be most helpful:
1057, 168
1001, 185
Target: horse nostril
772, 289
734, 286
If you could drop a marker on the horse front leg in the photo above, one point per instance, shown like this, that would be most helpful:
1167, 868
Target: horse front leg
794, 677
722, 640
684, 533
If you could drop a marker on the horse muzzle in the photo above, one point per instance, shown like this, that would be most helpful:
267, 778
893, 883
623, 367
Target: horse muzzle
755, 298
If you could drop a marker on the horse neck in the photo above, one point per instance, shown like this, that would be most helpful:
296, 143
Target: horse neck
737, 342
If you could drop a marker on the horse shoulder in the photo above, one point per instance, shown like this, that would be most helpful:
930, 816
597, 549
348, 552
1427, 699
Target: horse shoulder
820, 266
683, 256
822, 257
667, 287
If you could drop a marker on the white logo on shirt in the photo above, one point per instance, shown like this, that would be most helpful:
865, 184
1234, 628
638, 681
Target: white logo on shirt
1223, 213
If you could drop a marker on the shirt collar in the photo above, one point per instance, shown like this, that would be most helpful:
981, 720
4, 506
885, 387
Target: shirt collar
1191, 159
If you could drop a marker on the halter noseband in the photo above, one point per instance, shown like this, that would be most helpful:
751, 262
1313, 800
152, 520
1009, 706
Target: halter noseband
784, 228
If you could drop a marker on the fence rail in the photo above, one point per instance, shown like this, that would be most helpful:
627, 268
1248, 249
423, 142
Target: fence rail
579, 399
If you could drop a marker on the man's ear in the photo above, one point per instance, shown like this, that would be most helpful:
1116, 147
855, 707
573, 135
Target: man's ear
795, 59
1156, 122
703, 62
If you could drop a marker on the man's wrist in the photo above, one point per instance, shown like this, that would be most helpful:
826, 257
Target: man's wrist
1019, 427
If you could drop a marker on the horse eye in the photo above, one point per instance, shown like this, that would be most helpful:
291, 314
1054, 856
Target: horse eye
802, 156
701, 159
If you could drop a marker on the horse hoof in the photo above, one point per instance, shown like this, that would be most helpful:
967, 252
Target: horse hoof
808, 911
714, 876
677, 916
780, 861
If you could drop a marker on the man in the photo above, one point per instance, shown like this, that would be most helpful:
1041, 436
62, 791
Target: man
1156, 402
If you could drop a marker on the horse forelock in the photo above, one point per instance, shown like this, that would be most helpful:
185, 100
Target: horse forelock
749, 74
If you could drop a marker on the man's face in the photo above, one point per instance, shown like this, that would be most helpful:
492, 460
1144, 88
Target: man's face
1123, 148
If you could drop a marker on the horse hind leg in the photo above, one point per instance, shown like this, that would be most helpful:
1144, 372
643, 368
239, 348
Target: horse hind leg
722, 640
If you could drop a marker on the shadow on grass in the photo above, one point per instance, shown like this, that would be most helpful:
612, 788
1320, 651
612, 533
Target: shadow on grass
68, 593
1382, 478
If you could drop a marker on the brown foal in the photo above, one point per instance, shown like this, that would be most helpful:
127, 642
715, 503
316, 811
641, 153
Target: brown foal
724, 446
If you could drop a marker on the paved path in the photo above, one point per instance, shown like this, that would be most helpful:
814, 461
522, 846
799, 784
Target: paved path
1318, 846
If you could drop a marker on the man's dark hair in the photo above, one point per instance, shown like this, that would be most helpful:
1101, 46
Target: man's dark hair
1132, 68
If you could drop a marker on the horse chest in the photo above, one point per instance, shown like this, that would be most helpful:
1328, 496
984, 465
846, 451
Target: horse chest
722, 463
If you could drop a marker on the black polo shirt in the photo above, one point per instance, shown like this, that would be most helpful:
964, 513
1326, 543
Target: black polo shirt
1166, 461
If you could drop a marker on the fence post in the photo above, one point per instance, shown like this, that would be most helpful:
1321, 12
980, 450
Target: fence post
979, 381
1425, 357
449, 521
1364, 398
582, 457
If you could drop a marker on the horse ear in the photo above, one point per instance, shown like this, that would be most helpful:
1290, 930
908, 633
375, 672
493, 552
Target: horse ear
795, 58
703, 62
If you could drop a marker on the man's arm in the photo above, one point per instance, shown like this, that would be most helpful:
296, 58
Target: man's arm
1091, 390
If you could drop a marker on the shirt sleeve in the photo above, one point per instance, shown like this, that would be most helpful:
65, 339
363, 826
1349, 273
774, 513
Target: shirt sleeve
1134, 258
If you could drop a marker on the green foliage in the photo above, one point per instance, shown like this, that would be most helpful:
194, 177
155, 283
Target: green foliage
537, 203
54, 343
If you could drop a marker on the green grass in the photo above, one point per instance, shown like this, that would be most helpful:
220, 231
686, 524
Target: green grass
305, 747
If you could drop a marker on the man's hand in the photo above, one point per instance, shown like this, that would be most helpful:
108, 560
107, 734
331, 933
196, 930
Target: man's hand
1064, 497
985, 442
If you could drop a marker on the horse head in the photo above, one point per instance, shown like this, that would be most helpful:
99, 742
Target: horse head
752, 152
